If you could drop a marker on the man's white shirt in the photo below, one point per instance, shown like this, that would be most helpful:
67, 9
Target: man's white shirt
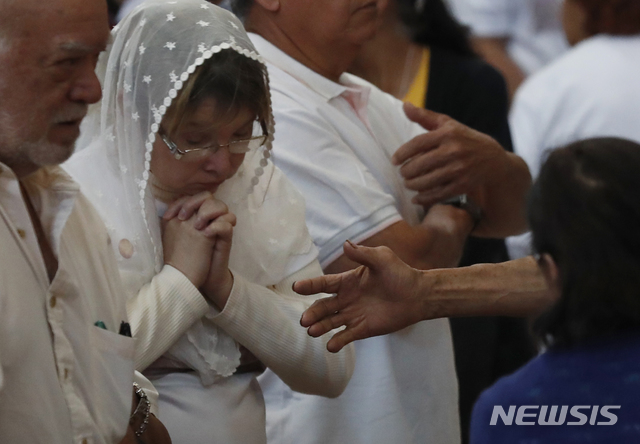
334, 141
64, 379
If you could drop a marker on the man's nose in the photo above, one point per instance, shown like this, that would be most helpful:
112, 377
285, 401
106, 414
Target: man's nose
86, 88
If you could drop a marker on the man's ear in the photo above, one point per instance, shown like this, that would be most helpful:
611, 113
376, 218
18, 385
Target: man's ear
269, 5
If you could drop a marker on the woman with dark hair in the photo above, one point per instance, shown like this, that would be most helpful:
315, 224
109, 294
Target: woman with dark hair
584, 213
422, 55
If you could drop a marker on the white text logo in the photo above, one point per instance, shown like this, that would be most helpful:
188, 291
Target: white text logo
554, 415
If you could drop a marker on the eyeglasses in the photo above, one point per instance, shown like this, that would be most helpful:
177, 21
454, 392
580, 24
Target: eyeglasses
239, 146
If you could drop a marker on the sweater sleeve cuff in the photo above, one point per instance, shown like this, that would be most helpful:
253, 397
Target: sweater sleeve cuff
185, 296
162, 311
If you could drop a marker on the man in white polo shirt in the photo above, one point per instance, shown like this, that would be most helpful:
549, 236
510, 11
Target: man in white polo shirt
335, 138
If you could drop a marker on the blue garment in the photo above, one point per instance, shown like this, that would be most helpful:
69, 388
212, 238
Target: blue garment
603, 372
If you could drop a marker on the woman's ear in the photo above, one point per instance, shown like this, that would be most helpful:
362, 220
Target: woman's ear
550, 271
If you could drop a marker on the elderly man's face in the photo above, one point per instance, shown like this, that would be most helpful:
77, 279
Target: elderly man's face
48, 56
330, 22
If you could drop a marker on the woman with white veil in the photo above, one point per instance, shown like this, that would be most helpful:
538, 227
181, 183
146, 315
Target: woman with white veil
183, 137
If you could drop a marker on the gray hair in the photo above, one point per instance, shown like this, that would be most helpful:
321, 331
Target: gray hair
241, 7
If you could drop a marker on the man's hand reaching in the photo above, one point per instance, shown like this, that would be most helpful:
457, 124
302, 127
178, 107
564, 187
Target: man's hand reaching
379, 297
453, 159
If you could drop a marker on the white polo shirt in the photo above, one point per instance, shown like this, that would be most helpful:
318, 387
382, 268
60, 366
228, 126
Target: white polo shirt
62, 378
592, 91
334, 141
533, 27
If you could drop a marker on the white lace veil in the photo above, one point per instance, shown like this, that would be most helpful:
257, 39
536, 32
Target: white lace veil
153, 52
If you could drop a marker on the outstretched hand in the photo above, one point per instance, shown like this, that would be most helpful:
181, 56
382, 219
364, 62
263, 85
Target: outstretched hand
379, 297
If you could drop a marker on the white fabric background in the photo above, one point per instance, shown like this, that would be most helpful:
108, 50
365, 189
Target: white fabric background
592, 91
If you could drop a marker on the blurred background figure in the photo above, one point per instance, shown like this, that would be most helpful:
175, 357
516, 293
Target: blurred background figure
126, 6
584, 213
516, 36
592, 91
421, 54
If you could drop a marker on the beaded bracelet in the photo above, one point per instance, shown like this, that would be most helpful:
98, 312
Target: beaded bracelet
143, 408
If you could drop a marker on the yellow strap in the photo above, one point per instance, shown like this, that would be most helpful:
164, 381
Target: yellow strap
417, 94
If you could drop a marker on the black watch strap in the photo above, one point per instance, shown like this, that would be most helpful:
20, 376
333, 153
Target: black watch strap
463, 202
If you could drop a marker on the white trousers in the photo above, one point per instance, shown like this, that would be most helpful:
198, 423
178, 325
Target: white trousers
230, 411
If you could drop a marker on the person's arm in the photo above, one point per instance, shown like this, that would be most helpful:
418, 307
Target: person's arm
166, 307
494, 51
161, 312
266, 322
386, 295
437, 242
453, 159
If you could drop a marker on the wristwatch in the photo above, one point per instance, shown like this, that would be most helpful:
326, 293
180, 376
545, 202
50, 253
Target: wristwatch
463, 202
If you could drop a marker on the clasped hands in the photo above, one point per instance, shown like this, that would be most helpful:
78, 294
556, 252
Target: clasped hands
196, 239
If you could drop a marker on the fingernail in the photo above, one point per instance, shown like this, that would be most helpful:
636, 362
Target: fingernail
293, 285
354, 246
182, 215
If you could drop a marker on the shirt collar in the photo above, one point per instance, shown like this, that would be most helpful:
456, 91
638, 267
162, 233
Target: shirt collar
53, 178
328, 89
52, 193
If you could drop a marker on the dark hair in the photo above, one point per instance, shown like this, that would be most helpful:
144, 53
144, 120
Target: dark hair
235, 81
241, 7
434, 25
615, 17
584, 210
